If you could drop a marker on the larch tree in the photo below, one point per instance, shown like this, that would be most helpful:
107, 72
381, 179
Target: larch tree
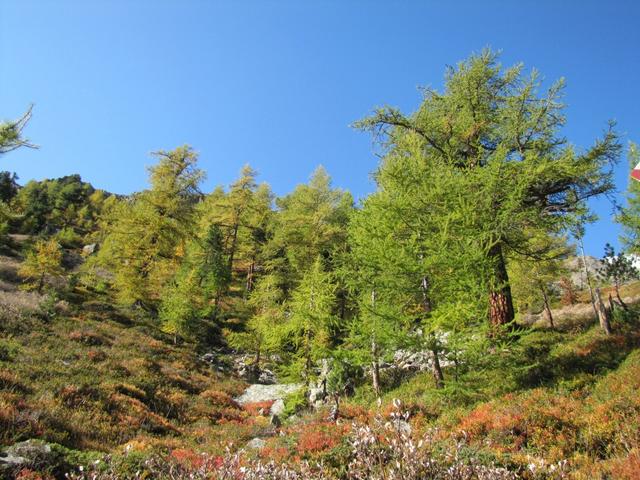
11, 136
500, 140
309, 319
310, 222
146, 235
198, 286
260, 336
44, 260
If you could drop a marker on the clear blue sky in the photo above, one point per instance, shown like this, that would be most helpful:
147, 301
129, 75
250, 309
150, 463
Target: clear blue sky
277, 83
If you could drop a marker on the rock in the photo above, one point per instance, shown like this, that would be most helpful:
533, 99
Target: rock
277, 408
33, 454
256, 443
263, 393
316, 395
209, 358
266, 377
89, 249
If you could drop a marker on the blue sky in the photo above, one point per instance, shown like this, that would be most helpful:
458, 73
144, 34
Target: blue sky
277, 83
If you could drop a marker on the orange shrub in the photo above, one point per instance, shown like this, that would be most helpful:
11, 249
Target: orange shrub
254, 408
26, 474
626, 468
218, 398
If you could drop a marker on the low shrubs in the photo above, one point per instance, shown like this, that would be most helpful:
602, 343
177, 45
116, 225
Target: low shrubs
373, 452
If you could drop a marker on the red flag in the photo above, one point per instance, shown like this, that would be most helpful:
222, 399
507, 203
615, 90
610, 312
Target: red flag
635, 173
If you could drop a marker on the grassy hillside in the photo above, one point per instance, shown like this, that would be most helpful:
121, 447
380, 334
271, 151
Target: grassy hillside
93, 378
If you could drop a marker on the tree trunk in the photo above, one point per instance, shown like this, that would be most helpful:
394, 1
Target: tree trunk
588, 278
375, 365
375, 368
437, 369
256, 365
234, 241
501, 310
41, 283
250, 272
603, 315
426, 301
617, 288
547, 307
612, 304
307, 354
375, 374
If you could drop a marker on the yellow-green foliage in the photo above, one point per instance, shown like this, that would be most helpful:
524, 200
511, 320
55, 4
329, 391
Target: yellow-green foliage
45, 260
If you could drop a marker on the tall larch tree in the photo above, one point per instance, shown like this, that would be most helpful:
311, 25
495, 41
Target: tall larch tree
492, 132
146, 235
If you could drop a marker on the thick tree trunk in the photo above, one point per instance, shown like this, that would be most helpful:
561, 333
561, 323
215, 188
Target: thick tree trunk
603, 315
501, 310
437, 369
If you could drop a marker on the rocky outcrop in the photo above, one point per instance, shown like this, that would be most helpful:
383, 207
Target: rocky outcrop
264, 393
33, 454
240, 365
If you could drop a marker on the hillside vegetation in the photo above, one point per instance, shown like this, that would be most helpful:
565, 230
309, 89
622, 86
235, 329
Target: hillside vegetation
434, 330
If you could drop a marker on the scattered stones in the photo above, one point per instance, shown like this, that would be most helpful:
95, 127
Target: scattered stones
241, 365
89, 249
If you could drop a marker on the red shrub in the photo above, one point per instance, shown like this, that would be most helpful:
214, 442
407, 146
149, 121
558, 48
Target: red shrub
314, 438
187, 458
